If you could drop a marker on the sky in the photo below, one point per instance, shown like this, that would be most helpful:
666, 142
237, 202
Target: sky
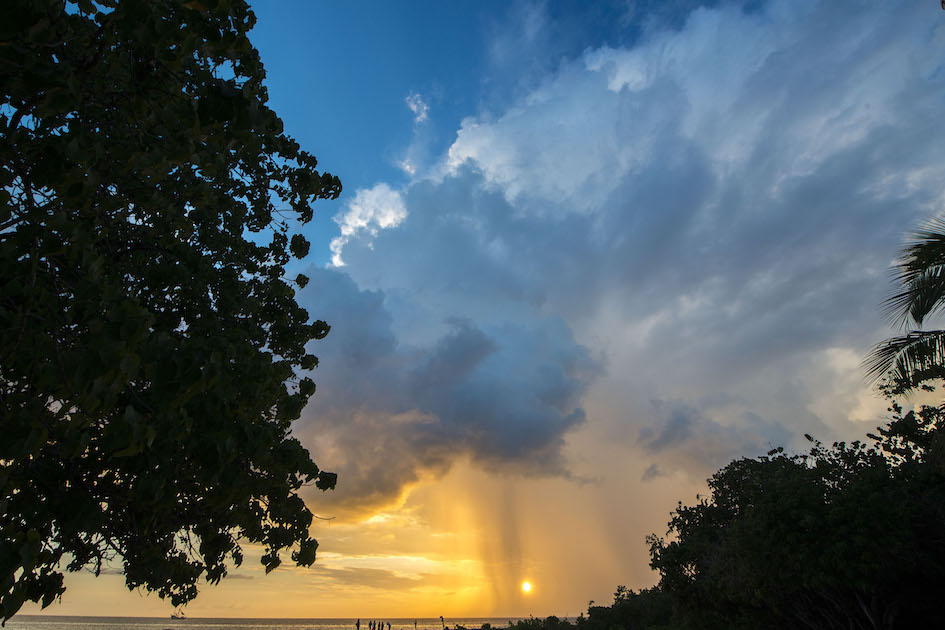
584, 257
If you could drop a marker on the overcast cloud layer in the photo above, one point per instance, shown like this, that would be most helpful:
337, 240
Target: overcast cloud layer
678, 247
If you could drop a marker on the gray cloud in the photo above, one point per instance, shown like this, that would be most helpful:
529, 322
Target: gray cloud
365, 577
652, 472
240, 576
390, 413
686, 437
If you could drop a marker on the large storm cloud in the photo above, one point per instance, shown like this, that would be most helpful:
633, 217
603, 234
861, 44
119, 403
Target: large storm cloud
680, 245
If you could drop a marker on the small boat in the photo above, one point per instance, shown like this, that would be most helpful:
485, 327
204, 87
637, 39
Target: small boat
178, 615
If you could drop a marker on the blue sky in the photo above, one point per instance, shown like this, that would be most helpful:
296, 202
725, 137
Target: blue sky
586, 254
339, 74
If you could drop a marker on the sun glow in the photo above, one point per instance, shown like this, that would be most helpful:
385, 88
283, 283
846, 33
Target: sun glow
526, 586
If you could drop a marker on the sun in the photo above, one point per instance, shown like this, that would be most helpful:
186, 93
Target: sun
526, 586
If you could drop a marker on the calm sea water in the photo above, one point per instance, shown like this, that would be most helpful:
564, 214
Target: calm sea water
37, 622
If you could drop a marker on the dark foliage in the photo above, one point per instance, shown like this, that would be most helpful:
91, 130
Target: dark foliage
548, 623
847, 536
150, 343
843, 537
631, 610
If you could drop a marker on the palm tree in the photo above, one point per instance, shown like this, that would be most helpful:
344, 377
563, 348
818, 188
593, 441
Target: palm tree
909, 361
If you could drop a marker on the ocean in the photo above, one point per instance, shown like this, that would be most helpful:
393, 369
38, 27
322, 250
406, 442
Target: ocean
40, 622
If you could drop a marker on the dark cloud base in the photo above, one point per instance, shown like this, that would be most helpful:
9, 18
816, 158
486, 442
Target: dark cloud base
391, 414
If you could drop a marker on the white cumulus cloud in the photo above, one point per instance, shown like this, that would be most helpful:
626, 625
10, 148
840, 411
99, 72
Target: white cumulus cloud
372, 209
419, 108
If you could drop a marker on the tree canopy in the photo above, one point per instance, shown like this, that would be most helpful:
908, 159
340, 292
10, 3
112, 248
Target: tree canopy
152, 355
847, 536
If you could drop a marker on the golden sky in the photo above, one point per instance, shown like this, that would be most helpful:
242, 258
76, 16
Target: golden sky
458, 546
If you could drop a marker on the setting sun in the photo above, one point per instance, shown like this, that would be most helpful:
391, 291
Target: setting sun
526, 586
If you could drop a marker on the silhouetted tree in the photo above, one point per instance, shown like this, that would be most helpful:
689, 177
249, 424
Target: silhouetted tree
843, 537
150, 343
631, 610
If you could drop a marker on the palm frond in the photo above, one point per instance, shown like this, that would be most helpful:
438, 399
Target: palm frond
920, 272
921, 297
924, 248
908, 359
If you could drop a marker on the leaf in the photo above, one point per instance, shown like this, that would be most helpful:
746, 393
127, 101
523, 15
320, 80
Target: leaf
299, 246
271, 561
326, 480
306, 387
305, 556
320, 330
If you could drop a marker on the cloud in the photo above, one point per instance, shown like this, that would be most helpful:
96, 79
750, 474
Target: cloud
371, 210
685, 437
652, 472
365, 577
407, 166
416, 105
239, 576
390, 413
694, 218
